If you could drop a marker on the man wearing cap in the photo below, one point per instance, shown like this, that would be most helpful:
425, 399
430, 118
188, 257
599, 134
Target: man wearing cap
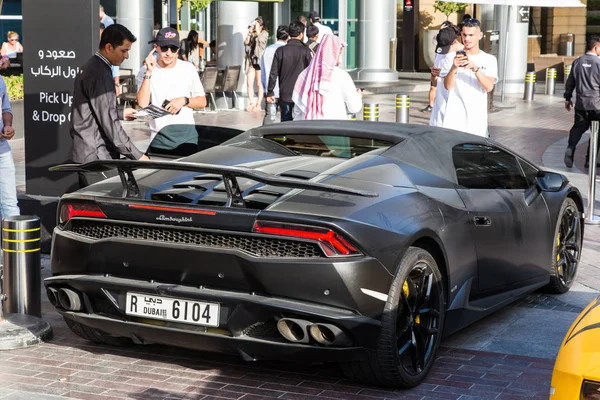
95, 128
435, 73
166, 80
314, 18
447, 45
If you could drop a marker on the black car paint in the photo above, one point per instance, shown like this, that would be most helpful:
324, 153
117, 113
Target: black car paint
417, 203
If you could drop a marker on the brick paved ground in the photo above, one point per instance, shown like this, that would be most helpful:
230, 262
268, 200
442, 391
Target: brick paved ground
69, 367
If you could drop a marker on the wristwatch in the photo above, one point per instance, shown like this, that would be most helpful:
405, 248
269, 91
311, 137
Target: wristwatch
187, 101
146, 76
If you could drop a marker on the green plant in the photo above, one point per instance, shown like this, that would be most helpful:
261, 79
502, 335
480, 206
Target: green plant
15, 88
593, 19
197, 5
593, 5
447, 8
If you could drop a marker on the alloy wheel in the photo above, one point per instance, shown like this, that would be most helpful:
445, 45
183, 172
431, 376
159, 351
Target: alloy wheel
418, 320
568, 246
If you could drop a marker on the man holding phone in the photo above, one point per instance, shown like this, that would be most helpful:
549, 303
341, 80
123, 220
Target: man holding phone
473, 74
168, 82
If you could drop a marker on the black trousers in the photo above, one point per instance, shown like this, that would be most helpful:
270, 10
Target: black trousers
287, 111
583, 119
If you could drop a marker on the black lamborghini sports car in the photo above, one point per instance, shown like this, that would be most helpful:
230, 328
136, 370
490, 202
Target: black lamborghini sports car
356, 242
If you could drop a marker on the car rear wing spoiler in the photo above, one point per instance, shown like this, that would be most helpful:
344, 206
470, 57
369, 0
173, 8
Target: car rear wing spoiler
229, 174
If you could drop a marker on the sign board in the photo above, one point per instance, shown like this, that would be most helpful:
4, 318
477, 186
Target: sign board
522, 14
61, 36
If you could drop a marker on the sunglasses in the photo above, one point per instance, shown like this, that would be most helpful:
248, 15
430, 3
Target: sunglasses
13, 40
172, 48
471, 22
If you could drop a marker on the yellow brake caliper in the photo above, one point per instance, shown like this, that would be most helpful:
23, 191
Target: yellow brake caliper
405, 290
557, 254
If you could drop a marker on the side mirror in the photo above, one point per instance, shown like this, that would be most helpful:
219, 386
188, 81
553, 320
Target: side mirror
550, 181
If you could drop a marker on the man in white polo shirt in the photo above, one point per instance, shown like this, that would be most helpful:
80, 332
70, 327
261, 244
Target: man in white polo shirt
473, 74
166, 80
315, 19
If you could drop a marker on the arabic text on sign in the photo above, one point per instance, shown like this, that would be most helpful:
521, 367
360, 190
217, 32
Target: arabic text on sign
58, 71
56, 54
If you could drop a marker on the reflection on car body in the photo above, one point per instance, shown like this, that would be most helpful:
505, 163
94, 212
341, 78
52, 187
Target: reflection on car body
314, 241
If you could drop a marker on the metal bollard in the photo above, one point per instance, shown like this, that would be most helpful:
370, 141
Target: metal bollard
551, 75
530, 78
567, 71
371, 112
402, 108
22, 273
592, 219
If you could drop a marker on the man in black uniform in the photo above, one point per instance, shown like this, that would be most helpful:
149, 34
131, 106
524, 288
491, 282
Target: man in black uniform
585, 80
96, 129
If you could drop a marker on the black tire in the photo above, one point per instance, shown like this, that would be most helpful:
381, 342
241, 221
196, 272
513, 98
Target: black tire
388, 365
566, 248
94, 335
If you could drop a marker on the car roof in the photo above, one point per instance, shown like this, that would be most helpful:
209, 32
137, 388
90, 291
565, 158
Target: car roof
425, 147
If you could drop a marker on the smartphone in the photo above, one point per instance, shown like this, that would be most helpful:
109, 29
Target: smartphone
461, 53
166, 103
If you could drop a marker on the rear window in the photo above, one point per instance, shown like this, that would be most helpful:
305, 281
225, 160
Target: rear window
328, 146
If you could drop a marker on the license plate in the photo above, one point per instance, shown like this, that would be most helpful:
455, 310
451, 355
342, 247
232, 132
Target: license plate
172, 309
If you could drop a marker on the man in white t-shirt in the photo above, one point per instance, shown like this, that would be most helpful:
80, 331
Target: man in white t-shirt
314, 18
473, 74
447, 44
165, 81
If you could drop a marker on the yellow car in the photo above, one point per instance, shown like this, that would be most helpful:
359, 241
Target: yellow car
576, 373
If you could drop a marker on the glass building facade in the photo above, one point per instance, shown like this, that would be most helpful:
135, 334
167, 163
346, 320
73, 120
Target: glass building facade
10, 19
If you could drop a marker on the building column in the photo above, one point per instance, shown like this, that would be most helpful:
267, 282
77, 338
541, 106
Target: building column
186, 17
516, 66
138, 17
233, 18
277, 16
374, 42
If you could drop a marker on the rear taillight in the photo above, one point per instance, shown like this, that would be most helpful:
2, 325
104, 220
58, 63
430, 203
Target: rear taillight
333, 244
68, 211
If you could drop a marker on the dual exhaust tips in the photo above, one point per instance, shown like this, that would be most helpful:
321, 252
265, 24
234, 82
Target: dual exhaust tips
65, 298
294, 330
300, 331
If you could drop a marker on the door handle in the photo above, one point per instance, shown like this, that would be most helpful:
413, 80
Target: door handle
482, 221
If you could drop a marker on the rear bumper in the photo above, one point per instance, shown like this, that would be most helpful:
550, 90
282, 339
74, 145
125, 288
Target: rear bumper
247, 323
335, 283
250, 349
253, 293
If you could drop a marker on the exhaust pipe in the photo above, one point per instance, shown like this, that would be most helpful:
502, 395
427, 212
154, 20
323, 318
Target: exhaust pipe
52, 296
329, 335
294, 330
69, 300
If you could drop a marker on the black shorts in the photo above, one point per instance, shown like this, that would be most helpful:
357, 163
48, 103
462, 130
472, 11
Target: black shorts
256, 66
